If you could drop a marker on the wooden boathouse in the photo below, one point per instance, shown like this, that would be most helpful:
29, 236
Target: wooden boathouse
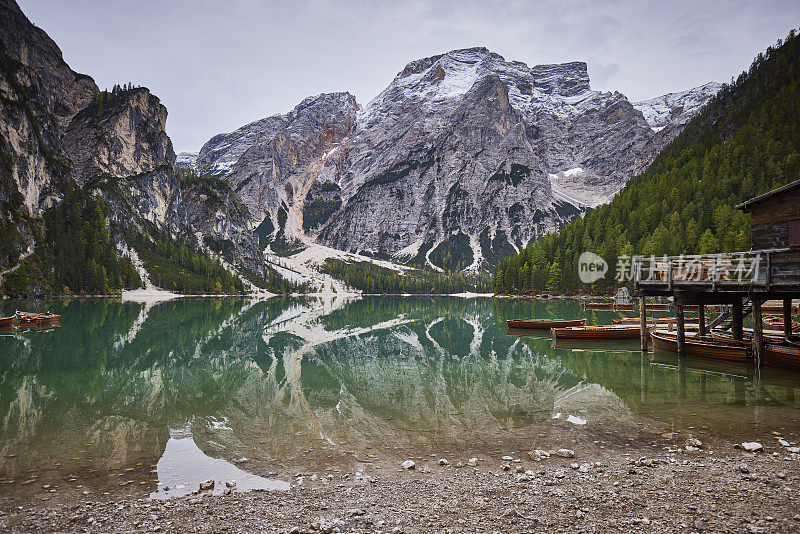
740, 281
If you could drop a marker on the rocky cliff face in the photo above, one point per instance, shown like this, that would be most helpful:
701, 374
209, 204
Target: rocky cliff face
40, 95
58, 130
463, 152
119, 144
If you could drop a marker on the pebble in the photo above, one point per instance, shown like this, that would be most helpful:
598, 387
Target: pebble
538, 455
408, 464
508, 458
207, 485
693, 442
472, 462
443, 461
752, 446
566, 453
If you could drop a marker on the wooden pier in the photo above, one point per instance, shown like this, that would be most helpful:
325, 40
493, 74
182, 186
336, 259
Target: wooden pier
741, 281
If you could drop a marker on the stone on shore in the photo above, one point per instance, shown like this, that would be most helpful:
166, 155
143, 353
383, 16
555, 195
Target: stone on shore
408, 465
752, 446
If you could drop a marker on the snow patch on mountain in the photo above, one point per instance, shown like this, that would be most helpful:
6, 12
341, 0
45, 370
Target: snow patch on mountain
676, 108
186, 159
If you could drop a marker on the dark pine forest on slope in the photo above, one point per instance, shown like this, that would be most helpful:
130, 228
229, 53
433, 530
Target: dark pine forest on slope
745, 142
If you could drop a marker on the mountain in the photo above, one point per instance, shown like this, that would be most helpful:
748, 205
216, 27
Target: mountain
89, 197
463, 158
742, 143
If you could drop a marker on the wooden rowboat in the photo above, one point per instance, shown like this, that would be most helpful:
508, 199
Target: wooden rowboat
28, 318
597, 332
772, 308
785, 356
650, 320
721, 350
599, 306
545, 324
47, 318
607, 306
7, 321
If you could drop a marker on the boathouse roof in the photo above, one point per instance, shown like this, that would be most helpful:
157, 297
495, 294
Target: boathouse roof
747, 204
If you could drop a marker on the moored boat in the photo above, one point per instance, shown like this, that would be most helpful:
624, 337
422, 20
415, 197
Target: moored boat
650, 320
47, 318
785, 356
599, 306
596, 332
544, 324
29, 318
26, 318
723, 350
7, 321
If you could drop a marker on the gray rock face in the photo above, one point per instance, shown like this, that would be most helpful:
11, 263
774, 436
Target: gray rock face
56, 127
40, 95
124, 144
464, 148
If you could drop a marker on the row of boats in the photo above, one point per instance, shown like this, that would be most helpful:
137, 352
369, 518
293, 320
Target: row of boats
29, 319
717, 343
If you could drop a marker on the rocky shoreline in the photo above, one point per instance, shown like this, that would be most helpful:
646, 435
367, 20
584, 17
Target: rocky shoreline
636, 488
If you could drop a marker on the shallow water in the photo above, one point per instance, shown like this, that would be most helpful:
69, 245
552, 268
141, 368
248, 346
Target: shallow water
125, 399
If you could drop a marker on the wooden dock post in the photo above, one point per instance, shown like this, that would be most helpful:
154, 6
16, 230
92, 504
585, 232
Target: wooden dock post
643, 323
787, 317
681, 330
758, 333
701, 320
738, 319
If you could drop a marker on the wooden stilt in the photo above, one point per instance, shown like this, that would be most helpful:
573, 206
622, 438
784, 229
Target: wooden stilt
681, 381
643, 323
644, 367
701, 320
681, 330
758, 333
738, 319
787, 317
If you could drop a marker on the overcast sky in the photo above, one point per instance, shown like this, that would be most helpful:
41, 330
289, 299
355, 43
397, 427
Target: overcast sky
217, 65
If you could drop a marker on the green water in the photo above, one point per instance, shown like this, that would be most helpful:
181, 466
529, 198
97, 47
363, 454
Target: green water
122, 397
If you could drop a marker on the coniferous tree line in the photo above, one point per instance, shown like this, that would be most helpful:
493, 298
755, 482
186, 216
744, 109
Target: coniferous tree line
744, 142
176, 264
75, 254
371, 278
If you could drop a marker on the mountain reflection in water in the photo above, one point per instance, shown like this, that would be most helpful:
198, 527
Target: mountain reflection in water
291, 380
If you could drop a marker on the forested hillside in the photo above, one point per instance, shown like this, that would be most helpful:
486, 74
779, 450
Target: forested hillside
744, 142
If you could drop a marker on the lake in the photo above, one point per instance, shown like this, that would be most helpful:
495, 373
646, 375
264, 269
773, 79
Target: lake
133, 400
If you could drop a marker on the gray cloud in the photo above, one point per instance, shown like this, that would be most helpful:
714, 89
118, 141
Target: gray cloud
217, 65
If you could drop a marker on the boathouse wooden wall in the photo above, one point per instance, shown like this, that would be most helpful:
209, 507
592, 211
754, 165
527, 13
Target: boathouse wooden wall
775, 221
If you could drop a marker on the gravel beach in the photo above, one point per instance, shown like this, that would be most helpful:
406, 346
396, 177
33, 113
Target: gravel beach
683, 486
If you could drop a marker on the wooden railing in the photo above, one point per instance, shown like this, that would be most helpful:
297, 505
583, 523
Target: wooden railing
762, 269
